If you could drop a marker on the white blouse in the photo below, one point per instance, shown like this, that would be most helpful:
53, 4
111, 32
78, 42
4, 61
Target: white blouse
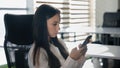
43, 60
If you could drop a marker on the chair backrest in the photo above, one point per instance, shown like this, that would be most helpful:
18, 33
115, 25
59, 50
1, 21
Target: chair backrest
111, 19
18, 38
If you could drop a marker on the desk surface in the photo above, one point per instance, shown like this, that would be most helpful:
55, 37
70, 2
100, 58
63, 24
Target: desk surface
99, 30
99, 50
103, 51
107, 30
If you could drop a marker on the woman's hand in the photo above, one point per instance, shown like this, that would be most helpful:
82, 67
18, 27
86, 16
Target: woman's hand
78, 53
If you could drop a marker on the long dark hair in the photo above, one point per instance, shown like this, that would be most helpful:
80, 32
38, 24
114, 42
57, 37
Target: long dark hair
42, 14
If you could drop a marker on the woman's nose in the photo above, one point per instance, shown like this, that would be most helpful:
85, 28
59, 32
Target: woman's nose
58, 27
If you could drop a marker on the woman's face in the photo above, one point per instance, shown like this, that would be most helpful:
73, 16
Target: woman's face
53, 25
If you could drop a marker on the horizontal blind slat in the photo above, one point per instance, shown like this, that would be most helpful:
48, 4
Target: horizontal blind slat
52, 2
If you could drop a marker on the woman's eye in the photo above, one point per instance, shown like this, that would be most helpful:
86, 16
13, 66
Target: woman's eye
54, 24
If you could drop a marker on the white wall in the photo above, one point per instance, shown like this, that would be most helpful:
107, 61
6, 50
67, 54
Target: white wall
104, 6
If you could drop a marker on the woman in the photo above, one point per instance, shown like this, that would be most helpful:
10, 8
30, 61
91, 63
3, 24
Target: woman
48, 51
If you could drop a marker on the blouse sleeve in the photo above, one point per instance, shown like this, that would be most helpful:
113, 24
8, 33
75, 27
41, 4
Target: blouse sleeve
69, 62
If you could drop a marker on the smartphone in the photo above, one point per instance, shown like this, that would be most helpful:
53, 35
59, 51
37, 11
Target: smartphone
87, 40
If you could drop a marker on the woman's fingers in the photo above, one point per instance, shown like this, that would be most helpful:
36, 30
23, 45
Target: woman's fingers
83, 50
77, 52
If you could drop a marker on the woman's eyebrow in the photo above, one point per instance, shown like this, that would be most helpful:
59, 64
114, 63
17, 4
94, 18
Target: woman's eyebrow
56, 22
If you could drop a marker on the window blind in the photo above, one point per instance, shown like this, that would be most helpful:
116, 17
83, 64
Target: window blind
74, 13
79, 16
79, 12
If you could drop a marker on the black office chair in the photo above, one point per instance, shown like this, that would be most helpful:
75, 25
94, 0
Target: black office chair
18, 39
110, 19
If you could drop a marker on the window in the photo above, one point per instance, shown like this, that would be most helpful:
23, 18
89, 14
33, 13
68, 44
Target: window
74, 13
13, 7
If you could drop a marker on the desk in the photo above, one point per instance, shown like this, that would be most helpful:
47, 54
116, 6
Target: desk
113, 31
106, 30
97, 30
98, 50
112, 51
103, 51
100, 30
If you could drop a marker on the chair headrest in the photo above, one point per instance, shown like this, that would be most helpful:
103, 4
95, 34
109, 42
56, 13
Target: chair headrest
111, 19
18, 28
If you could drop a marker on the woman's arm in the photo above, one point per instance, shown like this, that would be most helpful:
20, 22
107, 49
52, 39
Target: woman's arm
70, 62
